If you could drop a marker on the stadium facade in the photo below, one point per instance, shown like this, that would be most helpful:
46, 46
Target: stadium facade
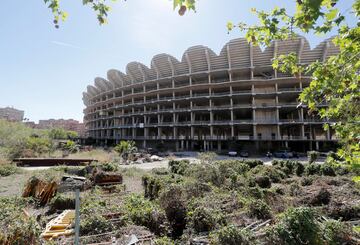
210, 102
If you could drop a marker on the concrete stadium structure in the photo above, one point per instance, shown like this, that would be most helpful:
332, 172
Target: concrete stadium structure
210, 102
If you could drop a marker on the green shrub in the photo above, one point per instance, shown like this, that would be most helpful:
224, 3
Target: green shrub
8, 169
204, 219
228, 168
231, 235
62, 202
275, 173
178, 167
194, 188
152, 186
313, 156
163, 241
312, 169
299, 169
263, 181
289, 166
145, 213
336, 233
253, 163
16, 227
160, 171
110, 167
306, 181
295, 226
207, 157
259, 209
206, 173
95, 224
173, 201
327, 169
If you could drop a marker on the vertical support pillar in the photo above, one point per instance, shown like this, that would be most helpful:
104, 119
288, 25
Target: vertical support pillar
317, 145
219, 145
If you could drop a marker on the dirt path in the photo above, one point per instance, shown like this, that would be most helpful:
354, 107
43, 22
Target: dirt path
13, 185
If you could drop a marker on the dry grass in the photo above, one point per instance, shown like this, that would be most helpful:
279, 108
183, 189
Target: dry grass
98, 154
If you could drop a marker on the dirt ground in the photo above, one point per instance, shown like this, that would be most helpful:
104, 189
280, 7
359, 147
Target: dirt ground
13, 185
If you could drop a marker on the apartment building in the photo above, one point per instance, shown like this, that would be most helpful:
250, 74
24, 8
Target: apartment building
11, 114
210, 102
67, 124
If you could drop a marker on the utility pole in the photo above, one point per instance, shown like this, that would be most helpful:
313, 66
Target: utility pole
77, 216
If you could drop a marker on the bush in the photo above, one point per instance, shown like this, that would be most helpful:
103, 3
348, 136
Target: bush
8, 169
289, 166
231, 235
62, 202
207, 157
312, 169
16, 227
253, 163
275, 173
173, 201
109, 167
299, 169
334, 232
95, 224
228, 168
296, 226
259, 209
160, 171
206, 173
204, 219
306, 181
312, 156
263, 181
152, 186
145, 213
163, 241
178, 167
327, 169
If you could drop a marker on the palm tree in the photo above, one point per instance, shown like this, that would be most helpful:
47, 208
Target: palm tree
125, 149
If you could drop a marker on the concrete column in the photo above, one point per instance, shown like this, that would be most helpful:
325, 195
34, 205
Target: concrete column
276, 87
328, 135
192, 132
317, 145
211, 117
187, 145
219, 145
232, 131
211, 131
231, 89
254, 132
278, 132
302, 131
230, 76
144, 143
286, 144
277, 115
177, 146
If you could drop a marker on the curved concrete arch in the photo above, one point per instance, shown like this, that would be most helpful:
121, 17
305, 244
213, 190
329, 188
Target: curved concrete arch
114, 77
92, 90
161, 63
101, 84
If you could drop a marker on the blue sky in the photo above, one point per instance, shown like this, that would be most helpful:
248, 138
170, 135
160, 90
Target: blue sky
45, 70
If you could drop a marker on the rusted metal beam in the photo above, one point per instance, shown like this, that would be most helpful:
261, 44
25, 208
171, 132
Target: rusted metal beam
52, 161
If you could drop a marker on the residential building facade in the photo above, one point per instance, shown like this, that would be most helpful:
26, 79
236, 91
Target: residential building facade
210, 102
11, 114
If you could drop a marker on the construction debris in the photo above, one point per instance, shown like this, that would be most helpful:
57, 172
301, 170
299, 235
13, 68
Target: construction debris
42, 190
107, 178
60, 226
71, 183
